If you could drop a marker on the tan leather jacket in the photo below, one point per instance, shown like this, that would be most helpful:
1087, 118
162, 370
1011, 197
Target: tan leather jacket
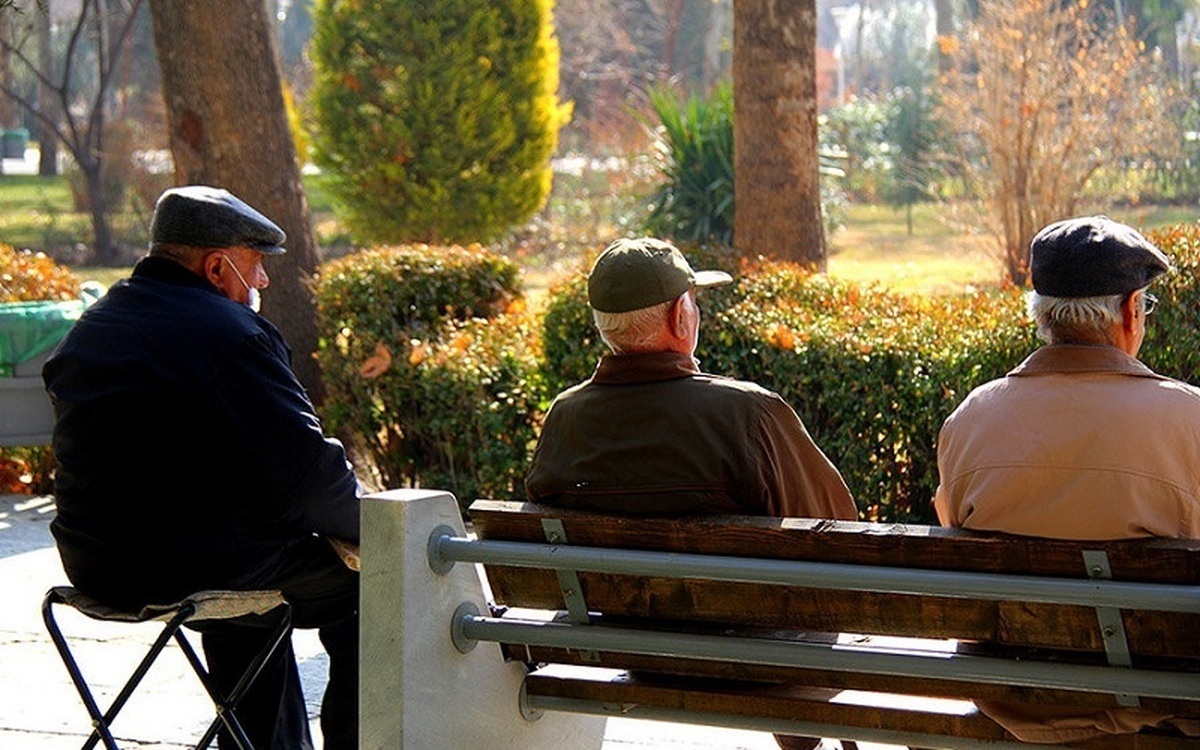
1078, 442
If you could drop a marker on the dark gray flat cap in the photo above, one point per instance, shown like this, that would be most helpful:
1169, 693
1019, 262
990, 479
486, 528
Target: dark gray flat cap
202, 216
1093, 256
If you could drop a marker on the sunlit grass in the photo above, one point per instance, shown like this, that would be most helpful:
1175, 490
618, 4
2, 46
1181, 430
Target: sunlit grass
944, 254
874, 246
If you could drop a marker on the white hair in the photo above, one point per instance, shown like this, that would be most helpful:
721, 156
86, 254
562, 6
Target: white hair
1076, 320
635, 330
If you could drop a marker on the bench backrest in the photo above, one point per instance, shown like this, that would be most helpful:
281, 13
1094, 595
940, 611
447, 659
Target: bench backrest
874, 546
1051, 631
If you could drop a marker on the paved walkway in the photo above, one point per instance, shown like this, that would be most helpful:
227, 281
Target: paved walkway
39, 709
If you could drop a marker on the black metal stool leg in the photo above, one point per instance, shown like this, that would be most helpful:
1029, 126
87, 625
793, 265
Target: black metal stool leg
227, 705
101, 730
103, 722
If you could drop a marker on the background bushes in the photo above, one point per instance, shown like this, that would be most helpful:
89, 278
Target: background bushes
873, 374
431, 365
1172, 345
31, 277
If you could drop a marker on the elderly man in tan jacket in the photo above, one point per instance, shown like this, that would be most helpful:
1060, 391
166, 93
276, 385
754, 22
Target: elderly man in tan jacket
1081, 440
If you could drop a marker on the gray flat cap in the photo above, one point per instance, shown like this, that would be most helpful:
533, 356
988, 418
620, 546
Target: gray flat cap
202, 216
1093, 256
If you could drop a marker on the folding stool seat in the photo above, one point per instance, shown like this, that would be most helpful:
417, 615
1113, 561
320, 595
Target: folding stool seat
197, 608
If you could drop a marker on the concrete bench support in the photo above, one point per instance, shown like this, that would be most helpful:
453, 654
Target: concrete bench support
417, 691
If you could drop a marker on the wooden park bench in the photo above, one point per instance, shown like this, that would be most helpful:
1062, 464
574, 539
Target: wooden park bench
722, 621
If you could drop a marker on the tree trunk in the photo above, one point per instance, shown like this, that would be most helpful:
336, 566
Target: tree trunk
47, 97
7, 106
105, 245
228, 128
777, 183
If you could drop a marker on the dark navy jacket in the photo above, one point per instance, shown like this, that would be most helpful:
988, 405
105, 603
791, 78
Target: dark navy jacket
189, 456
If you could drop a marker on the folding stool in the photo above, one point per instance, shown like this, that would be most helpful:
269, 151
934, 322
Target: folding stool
201, 606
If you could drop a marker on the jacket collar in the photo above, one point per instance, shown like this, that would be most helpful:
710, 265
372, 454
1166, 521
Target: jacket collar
619, 369
170, 272
1074, 359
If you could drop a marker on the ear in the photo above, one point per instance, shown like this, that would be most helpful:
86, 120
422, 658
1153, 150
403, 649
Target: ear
677, 318
1131, 310
211, 267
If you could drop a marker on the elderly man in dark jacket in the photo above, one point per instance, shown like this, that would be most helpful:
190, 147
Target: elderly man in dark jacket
190, 458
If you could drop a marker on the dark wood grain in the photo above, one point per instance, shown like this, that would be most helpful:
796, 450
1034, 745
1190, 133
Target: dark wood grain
799, 704
1001, 629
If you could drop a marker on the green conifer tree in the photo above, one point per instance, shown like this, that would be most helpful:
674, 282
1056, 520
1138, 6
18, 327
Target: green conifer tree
436, 119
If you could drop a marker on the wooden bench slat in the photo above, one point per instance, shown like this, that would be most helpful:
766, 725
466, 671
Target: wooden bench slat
1037, 631
798, 704
1157, 560
819, 678
770, 606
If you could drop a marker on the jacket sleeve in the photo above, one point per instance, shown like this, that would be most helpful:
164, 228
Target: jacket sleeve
305, 476
798, 478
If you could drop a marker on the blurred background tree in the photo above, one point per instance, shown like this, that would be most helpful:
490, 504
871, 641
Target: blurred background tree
230, 58
1043, 94
437, 121
80, 102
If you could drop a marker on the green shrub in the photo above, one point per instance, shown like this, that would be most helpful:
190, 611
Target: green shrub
1172, 345
872, 374
426, 370
436, 120
31, 277
695, 201
474, 412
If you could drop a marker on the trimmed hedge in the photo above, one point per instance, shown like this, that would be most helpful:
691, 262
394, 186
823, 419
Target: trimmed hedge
1172, 345
455, 396
431, 365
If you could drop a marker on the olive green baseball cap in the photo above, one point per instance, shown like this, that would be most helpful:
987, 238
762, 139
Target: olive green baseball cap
634, 273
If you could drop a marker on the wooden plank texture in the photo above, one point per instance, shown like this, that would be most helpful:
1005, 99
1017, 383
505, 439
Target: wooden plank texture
819, 678
1004, 629
1012, 623
798, 704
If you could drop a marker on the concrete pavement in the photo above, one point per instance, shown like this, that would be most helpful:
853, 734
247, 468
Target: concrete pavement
40, 710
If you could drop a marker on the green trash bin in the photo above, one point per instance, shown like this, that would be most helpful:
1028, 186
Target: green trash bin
28, 333
13, 143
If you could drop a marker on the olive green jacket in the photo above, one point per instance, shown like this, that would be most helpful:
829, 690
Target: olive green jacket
651, 434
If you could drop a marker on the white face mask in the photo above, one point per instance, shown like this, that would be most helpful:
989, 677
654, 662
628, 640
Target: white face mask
254, 298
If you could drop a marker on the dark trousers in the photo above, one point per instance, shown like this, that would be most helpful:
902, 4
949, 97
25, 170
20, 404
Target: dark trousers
323, 593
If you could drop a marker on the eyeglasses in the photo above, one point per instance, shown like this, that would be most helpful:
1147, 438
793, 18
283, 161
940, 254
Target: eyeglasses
1149, 302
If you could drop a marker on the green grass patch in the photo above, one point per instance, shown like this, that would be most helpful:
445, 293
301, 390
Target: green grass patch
38, 213
946, 253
